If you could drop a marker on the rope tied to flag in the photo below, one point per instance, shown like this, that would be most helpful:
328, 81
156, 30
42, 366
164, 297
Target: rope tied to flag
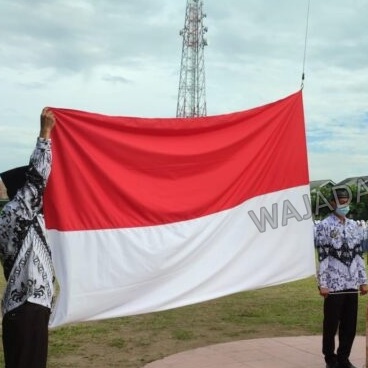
305, 45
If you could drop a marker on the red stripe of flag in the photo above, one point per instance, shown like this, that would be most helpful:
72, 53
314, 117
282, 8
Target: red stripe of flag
117, 172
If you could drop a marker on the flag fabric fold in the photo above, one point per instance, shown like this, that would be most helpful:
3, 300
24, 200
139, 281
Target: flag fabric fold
147, 214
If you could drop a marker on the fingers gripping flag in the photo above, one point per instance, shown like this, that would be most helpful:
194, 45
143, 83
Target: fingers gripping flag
147, 214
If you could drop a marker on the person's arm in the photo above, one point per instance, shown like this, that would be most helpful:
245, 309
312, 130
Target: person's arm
41, 159
29, 199
362, 276
320, 242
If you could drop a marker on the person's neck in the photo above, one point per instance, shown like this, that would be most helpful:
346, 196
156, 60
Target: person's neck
340, 217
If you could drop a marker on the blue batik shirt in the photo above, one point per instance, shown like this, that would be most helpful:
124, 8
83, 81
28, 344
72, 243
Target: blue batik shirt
339, 245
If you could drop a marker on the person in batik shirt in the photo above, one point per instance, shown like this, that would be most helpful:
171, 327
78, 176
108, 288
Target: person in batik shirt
26, 257
341, 275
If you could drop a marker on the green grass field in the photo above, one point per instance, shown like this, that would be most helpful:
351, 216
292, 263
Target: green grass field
292, 309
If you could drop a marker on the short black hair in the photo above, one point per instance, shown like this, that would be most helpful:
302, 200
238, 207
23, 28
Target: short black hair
339, 193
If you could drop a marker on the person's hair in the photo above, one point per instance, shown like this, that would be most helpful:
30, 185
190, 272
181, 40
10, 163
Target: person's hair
14, 179
339, 193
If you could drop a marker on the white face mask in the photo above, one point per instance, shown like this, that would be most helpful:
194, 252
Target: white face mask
343, 211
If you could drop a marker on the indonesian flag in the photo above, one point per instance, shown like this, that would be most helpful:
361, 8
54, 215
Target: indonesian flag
147, 214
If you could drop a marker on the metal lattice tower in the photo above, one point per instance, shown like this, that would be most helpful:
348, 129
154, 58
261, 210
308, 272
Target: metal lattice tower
192, 85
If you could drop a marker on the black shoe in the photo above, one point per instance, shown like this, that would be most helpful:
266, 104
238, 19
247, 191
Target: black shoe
332, 364
346, 364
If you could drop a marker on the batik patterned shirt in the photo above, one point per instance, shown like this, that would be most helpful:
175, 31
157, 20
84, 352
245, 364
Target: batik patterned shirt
24, 250
339, 246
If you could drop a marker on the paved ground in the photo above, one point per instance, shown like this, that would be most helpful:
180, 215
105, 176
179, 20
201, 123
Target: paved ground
284, 352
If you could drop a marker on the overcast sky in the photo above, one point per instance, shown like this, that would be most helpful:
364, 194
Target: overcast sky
122, 57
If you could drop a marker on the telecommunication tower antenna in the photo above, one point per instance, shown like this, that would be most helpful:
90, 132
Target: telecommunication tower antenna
192, 86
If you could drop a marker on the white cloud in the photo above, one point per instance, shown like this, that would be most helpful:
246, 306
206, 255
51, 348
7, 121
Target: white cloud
123, 58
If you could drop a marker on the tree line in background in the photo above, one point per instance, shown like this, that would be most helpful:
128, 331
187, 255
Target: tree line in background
2, 203
358, 202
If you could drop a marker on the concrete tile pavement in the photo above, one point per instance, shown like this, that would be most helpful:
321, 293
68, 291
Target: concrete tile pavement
281, 352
